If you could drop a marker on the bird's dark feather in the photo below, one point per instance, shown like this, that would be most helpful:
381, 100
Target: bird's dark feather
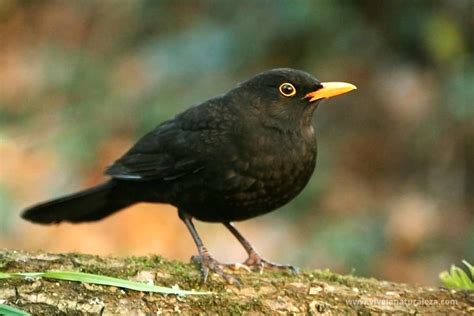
230, 158
174, 148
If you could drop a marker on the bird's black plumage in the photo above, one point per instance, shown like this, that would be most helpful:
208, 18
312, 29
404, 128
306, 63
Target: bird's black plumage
230, 158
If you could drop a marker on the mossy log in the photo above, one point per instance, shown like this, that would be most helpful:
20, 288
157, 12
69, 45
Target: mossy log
310, 292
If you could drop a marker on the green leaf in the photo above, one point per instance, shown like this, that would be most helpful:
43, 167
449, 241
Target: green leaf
101, 280
447, 280
458, 278
11, 311
461, 277
470, 267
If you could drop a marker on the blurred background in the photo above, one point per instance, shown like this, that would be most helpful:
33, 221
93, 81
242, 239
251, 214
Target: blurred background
393, 193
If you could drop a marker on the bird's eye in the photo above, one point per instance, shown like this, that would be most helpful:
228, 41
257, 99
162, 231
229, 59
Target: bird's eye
287, 89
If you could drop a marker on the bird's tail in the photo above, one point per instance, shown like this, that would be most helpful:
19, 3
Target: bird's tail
84, 206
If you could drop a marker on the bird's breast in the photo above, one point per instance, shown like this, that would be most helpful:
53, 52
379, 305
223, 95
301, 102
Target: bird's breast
247, 177
268, 175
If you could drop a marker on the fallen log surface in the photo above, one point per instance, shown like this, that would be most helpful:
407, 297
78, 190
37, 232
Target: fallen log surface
310, 292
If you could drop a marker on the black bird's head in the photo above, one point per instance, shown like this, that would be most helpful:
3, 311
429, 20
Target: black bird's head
287, 96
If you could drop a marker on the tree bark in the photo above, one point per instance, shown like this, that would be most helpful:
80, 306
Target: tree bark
310, 292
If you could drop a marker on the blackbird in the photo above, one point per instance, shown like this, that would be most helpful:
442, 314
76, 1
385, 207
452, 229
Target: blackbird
230, 158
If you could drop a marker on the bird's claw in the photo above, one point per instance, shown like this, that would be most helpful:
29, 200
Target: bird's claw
209, 264
255, 261
238, 266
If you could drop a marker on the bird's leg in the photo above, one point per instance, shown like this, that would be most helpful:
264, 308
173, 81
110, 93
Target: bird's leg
204, 258
254, 260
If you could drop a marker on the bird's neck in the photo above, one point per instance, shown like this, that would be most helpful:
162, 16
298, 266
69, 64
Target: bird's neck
306, 123
300, 125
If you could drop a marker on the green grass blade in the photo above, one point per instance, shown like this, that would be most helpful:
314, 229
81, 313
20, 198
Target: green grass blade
106, 280
12, 311
101, 280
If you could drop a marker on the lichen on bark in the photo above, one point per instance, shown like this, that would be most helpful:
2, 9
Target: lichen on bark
310, 292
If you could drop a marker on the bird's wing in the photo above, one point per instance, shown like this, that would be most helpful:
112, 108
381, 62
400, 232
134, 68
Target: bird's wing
175, 148
140, 166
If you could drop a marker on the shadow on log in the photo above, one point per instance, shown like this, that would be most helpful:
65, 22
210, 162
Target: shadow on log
310, 292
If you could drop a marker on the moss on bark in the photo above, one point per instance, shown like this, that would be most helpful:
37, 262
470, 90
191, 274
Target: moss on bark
310, 292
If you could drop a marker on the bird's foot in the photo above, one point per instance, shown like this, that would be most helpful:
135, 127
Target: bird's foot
256, 262
209, 264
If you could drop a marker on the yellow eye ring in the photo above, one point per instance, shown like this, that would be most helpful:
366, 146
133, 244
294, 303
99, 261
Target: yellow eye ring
287, 89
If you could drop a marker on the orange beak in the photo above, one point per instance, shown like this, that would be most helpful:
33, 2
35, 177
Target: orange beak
330, 89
